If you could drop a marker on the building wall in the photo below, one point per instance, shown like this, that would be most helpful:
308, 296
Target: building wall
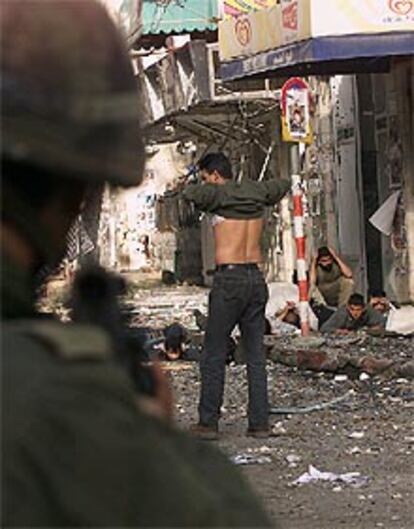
403, 72
129, 216
364, 151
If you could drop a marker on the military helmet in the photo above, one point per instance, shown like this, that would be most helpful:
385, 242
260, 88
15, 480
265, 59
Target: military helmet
69, 97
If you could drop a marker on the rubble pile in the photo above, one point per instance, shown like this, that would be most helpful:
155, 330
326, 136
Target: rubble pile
351, 355
335, 417
160, 306
367, 436
362, 441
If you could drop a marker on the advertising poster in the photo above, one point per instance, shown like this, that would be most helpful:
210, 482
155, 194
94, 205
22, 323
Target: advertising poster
296, 126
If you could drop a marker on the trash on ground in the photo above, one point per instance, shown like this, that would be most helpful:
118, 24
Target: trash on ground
356, 435
313, 474
250, 459
307, 409
341, 378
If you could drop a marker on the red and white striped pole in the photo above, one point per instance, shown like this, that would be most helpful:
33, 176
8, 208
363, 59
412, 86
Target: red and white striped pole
300, 240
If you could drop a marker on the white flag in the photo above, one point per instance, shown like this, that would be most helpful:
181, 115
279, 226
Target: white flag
383, 218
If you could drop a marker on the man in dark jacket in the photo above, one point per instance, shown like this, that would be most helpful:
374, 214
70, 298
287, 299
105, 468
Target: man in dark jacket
239, 294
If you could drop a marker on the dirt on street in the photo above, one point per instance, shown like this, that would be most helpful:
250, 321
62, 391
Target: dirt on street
369, 432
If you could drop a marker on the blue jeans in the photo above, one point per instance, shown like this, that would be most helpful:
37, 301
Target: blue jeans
239, 296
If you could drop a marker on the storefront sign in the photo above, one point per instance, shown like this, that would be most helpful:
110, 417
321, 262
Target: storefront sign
295, 17
296, 126
249, 34
293, 21
343, 17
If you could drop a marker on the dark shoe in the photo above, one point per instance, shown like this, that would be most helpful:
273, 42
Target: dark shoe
204, 432
258, 433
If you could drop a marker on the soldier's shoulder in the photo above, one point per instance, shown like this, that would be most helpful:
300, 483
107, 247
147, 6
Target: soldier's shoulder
72, 342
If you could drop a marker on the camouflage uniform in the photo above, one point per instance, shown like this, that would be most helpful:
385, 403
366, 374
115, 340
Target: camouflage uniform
77, 451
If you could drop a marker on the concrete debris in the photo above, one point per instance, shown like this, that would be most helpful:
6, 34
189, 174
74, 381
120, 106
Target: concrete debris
278, 429
308, 342
293, 460
378, 405
350, 359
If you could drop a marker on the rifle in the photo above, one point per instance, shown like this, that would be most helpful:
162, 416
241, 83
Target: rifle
95, 299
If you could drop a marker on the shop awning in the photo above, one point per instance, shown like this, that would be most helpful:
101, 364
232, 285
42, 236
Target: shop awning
182, 16
324, 55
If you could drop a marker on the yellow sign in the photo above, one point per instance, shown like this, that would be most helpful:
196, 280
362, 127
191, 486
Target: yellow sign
265, 29
291, 21
249, 34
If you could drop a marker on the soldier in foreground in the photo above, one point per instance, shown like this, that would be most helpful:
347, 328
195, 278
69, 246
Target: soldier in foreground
78, 447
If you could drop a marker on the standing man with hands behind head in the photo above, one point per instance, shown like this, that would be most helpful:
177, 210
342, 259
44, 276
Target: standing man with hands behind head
239, 294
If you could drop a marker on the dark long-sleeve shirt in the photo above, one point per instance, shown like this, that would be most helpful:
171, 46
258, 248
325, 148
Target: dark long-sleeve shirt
237, 200
341, 319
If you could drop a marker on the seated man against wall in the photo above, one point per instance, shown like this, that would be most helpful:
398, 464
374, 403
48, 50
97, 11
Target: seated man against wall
353, 316
330, 278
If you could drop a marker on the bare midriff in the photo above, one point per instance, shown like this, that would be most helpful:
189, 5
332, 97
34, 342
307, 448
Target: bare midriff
238, 241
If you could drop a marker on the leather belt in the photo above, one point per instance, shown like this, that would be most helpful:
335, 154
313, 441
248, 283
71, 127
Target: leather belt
236, 266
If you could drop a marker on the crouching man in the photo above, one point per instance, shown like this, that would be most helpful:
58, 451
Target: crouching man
239, 294
330, 278
353, 316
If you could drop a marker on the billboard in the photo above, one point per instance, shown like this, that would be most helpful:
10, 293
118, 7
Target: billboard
292, 21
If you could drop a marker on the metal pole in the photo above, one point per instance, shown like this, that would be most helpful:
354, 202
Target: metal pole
300, 240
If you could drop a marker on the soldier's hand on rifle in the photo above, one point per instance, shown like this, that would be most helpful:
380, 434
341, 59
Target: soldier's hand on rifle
159, 405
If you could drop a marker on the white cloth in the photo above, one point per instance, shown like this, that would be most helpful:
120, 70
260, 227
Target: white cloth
401, 320
383, 218
279, 294
216, 219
